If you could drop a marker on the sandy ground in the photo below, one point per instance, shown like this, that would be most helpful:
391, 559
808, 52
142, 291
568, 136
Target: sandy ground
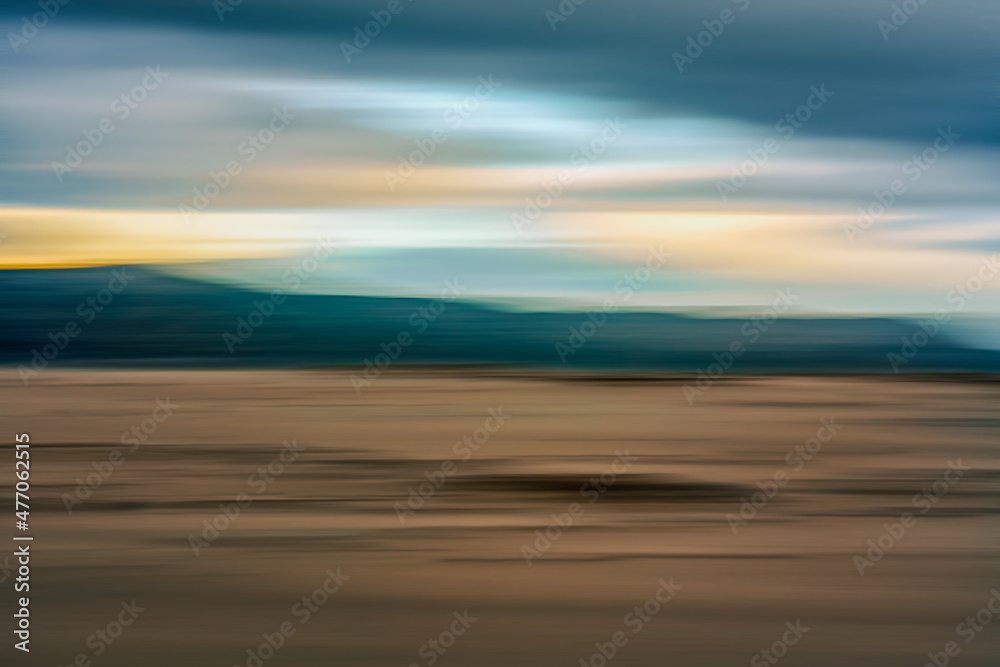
331, 505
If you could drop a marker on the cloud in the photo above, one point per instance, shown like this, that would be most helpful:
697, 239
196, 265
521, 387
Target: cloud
328, 170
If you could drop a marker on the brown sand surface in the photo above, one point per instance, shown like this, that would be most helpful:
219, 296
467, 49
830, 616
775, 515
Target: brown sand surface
663, 517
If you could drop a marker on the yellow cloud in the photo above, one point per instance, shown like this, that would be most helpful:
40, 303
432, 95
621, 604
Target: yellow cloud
37, 237
782, 245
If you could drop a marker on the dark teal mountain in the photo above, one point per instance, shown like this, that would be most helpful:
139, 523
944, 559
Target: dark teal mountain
163, 320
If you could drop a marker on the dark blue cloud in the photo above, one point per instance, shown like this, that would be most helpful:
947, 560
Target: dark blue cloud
939, 67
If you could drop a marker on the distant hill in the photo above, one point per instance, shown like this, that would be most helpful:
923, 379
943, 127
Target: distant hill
159, 319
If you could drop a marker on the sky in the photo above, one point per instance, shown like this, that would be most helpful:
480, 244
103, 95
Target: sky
537, 150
